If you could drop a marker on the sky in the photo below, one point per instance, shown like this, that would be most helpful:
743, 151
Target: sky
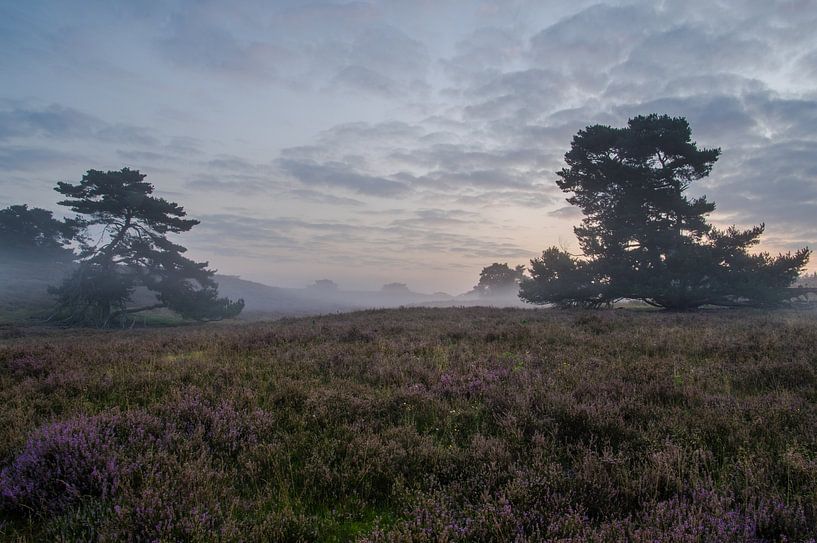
413, 141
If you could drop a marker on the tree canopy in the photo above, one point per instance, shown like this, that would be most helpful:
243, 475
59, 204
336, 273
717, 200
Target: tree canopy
643, 237
324, 285
395, 288
127, 247
499, 279
34, 233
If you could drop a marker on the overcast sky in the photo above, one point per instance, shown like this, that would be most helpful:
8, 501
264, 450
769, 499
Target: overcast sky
411, 141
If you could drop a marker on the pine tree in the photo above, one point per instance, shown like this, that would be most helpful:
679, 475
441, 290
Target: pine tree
129, 228
643, 238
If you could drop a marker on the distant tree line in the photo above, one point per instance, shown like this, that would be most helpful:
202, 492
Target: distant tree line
642, 237
117, 242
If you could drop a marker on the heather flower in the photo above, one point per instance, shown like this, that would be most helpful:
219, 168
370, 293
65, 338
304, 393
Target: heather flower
61, 463
290, 431
27, 366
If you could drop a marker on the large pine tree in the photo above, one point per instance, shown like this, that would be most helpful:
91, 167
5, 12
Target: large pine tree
126, 246
642, 237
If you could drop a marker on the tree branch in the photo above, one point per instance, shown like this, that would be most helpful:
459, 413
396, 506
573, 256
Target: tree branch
139, 309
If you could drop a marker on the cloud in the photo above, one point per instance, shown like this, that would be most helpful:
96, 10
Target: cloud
392, 132
184, 145
293, 46
441, 218
488, 179
135, 156
592, 41
308, 195
524, 93
338, 174
807, 65
690, 50
566, 212
462, 157
240, 235
240, 186
388, 49
380, 59
194, 40
783, 118
52, 121
536, 199
485, 49
359, 244
232, 163
34, 159
334, 16
59, 122
776, 184
362, 78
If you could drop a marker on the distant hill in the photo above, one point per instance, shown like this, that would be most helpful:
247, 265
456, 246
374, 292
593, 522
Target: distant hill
264, 301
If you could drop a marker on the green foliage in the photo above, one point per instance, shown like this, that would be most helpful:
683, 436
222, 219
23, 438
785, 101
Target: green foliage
498, 279
34, 234
92, 293
561, 279
200, 303
130, 227
643, 238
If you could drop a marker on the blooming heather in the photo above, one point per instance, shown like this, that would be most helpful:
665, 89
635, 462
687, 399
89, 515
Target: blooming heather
416, 425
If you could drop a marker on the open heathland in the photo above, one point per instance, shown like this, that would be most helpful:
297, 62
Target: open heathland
419, 424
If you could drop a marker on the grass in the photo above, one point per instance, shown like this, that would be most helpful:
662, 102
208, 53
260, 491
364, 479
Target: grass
416, 425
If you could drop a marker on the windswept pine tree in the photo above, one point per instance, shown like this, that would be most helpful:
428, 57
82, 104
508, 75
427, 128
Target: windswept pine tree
643, 238
126, 246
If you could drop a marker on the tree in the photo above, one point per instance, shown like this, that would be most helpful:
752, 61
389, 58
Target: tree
324, 285
558, 277
643, 238
34, 234
131, 249
395, 288
499, 279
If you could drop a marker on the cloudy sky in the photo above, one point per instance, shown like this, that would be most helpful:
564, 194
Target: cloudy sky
411, 141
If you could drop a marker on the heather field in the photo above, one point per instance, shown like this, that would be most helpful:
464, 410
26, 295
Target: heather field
416, 425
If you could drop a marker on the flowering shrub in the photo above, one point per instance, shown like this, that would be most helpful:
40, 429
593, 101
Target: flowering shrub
416, 425
28, 365
61, 463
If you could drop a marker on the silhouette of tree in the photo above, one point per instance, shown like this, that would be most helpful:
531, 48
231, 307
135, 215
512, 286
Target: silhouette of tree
324, 285
643, 238
130, 249
34, 234
499, 280
395, 288
559, 278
